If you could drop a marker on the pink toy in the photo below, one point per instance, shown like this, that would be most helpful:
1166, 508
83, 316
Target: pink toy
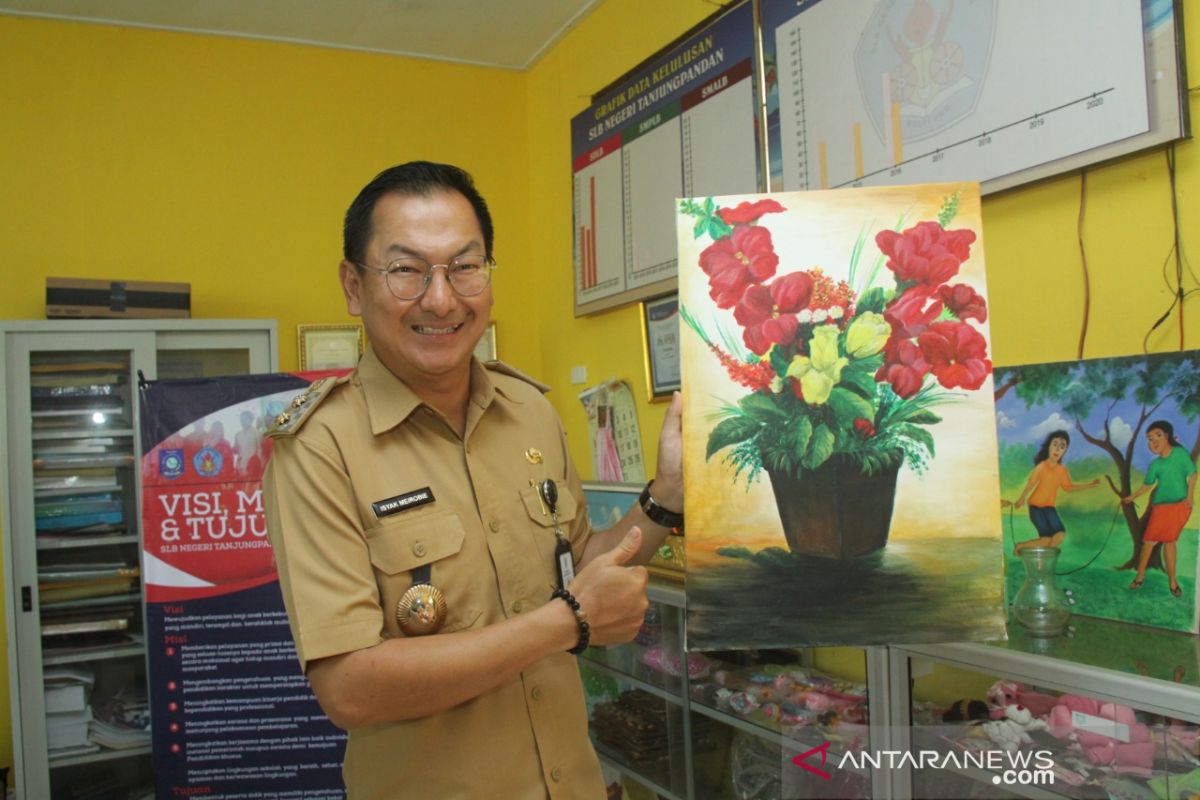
1136, 755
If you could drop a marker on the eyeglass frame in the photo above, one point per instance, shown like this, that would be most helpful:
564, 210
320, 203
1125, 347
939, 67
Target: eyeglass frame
488, 262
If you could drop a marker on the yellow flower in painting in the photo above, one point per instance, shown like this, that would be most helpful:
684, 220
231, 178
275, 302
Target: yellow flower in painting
867, 335
821, 369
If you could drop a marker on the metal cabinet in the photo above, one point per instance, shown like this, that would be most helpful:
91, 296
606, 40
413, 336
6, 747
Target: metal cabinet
74, 610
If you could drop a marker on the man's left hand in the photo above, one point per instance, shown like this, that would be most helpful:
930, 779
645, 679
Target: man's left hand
668, 479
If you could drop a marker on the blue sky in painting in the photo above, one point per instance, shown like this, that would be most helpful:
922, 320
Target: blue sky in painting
1015, 424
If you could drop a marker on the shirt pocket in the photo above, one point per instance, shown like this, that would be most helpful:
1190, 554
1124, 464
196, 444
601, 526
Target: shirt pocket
399, 547
541, 529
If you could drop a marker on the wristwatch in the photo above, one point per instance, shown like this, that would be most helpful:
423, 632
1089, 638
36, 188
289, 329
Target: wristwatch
657, 513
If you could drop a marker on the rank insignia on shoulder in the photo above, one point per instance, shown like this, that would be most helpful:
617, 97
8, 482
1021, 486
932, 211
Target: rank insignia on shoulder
288, 421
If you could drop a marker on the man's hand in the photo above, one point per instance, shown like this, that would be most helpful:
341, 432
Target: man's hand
668, 479
611, 594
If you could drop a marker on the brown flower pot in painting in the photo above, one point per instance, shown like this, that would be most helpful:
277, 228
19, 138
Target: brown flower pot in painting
836, 510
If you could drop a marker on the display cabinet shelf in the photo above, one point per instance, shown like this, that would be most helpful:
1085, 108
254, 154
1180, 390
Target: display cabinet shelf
72, 507
102, 755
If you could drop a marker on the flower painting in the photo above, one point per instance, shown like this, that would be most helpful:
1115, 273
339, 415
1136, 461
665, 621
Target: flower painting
840, 455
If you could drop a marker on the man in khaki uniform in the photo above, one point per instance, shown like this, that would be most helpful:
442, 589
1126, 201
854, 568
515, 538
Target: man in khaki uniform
425, 468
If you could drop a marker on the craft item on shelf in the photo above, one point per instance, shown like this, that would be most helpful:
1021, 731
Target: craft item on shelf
1013, 729
659, 660
1080, 719
1006, 693
966, 710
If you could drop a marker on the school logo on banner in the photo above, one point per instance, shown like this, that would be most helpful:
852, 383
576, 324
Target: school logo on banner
208, 462
170, 463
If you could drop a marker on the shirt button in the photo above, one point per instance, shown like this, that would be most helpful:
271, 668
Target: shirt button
536, 693
556, 774
517, 606
418, 549
494, 524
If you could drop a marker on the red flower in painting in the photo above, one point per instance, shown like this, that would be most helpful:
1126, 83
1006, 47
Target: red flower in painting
746, 212
768, 313
735, 262
957, 354
904, 367
864, 428
964, 302
913, 311
925, 253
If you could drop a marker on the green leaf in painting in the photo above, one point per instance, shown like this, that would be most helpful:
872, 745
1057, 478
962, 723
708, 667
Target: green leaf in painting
919, 435
699, 228
717, 228
872, 300
849, 406
820, 448
924, 417
862, 377
798, 435
730, 431
762, 408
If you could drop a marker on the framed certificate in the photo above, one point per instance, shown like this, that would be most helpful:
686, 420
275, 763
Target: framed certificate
329, 346
660, 340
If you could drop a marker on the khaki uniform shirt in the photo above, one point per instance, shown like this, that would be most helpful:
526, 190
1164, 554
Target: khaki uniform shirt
343, 567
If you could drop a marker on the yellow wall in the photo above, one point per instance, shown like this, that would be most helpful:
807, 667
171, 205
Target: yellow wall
228, 163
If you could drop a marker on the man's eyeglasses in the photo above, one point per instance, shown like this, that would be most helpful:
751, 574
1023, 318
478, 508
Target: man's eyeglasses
408, 278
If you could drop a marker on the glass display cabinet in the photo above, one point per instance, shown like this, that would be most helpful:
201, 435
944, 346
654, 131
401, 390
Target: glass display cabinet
1105, 710
730, 725
75, 618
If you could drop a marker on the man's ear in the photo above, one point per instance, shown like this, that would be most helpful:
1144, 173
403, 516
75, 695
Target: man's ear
351, 281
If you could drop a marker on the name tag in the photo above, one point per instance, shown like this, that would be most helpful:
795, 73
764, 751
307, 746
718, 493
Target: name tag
402, 502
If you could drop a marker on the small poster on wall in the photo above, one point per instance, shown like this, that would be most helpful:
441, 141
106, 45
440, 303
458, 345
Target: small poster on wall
839, 452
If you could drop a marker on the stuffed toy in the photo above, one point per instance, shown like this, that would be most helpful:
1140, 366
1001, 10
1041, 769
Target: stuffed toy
1006, 693
1013, 730
1135, 755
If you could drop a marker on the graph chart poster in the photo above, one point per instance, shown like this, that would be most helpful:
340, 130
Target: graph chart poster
232, 714
839, 450
1113, 426
682, 124
908, 91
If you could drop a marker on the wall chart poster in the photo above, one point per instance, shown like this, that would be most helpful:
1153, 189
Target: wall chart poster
1124, 422
839, 445
231, 712
912, 91
682, 124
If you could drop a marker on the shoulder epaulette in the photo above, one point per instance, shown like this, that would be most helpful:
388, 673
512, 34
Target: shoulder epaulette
511, 371
288, 421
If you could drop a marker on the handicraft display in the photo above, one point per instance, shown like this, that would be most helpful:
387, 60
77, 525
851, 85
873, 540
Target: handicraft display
839, 452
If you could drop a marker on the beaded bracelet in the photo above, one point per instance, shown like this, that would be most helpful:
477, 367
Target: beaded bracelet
585, 632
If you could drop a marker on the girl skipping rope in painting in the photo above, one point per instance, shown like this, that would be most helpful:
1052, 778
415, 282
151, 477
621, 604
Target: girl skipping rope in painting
1041, 490
1171, 477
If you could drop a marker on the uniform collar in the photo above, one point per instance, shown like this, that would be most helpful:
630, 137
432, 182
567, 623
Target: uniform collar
390, 401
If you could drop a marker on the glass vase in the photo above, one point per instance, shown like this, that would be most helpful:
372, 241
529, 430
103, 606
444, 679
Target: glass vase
1040, 606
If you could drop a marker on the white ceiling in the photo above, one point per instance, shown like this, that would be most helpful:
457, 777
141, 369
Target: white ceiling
511, 34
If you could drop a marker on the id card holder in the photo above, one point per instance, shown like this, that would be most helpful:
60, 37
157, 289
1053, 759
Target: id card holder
564, 561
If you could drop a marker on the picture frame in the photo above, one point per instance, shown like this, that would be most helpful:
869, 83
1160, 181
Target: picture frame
660, 346
329, 346
608, 502
485, 348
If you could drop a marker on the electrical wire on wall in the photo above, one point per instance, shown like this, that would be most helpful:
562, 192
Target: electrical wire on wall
1174, 282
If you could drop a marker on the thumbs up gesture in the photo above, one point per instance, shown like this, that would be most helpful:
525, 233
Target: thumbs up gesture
612, 594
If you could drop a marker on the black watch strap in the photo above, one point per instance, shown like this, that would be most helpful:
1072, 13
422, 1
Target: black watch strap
658, 514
